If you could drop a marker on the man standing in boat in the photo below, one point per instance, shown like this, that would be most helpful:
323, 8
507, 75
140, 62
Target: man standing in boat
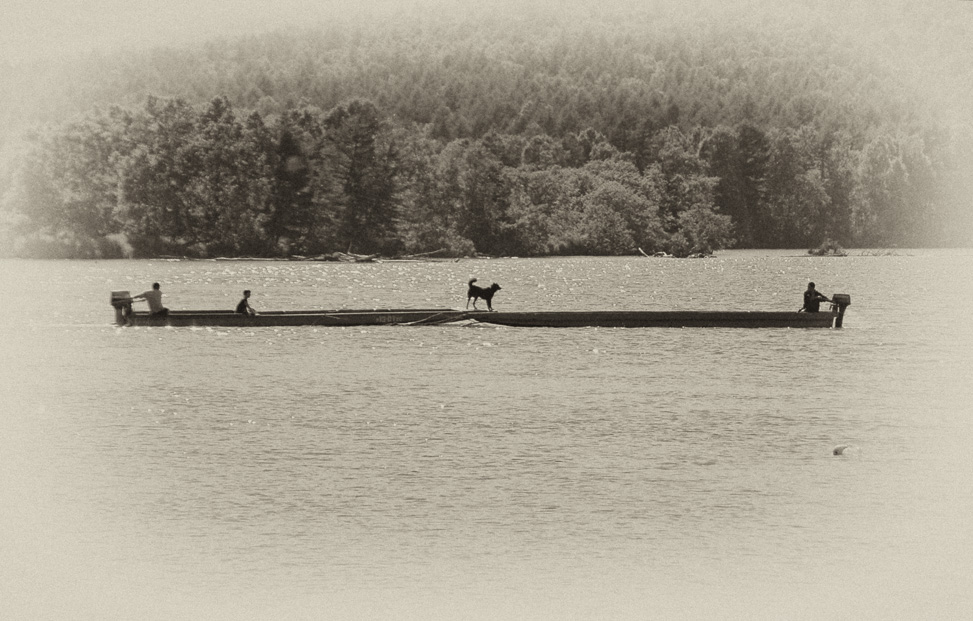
244, 307
154, 298
813, 299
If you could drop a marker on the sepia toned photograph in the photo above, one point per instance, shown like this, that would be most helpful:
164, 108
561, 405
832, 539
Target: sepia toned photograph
433, 310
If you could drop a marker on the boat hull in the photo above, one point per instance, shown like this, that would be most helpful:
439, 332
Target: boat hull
229, 319
663, 319
545, 319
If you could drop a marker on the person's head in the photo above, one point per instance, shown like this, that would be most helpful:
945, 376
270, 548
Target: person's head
246, 293
810, 285
155, 285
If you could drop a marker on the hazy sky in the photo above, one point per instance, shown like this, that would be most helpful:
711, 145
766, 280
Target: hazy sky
30, 28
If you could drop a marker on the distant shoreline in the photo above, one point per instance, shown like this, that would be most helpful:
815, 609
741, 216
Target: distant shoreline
791, 252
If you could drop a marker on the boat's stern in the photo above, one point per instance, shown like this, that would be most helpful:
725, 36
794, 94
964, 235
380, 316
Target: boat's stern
839, 302
122, 301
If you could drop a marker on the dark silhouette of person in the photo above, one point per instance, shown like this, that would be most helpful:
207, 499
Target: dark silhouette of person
244, 307
813, 299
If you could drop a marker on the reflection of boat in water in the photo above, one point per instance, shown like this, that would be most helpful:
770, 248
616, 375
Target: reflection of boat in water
433, 316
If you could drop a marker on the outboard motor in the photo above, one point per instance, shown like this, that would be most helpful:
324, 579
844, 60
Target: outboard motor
122, 301
839, 302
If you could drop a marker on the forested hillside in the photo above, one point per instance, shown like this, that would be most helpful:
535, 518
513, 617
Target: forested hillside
584, 130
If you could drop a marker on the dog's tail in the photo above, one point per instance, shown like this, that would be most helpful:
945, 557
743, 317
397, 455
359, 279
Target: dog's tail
472, 280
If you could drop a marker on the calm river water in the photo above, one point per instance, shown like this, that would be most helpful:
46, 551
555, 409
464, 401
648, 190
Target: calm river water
476, 472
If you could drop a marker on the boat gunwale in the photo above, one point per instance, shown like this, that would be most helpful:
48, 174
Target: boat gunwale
553, 319
649, 319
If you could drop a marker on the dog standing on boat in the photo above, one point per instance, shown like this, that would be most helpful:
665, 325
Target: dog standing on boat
486, 293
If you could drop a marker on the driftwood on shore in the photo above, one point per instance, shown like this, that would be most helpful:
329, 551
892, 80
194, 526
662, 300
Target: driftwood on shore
666, 255
828, 248
350, 257
346, 257
421, 254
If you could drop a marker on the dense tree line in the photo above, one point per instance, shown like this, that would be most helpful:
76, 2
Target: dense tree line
550, 135
170, 178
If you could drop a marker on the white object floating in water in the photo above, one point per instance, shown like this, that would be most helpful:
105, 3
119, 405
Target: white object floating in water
840, 450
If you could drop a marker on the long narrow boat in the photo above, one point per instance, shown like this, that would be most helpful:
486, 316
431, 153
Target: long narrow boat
664, 319
832, 318
229, 319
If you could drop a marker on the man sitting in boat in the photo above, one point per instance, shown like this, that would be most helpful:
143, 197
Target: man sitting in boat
813, 299
244, 307
154, 298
